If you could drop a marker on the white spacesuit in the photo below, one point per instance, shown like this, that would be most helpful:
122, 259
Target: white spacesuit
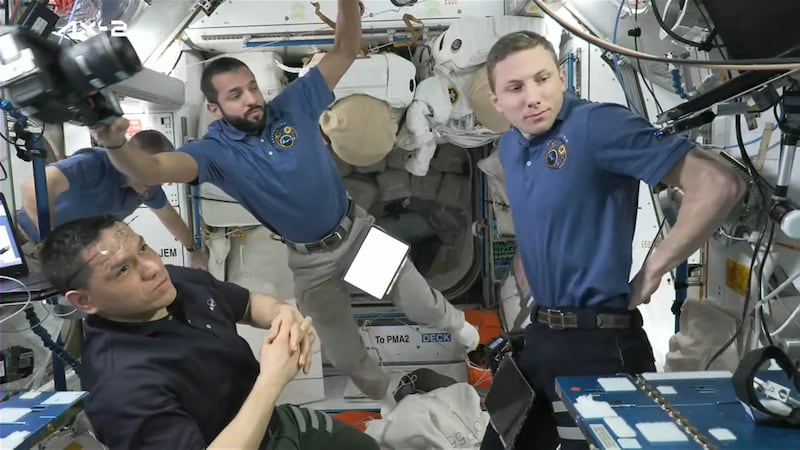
446, 103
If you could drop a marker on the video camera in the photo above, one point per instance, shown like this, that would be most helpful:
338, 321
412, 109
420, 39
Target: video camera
58, 84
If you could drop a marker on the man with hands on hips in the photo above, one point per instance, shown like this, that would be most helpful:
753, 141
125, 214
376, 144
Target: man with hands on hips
573, 170
162, 360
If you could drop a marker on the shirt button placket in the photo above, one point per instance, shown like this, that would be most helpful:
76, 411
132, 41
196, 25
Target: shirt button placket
269, 151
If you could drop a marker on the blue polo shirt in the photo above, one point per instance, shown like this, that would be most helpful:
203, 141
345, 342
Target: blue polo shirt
95, 188
574, 195
173, 383
285, 177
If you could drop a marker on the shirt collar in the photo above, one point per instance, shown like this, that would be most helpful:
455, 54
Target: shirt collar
570, 102
221, 126
143, 328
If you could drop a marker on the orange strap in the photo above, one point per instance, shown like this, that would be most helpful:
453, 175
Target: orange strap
415, 32
322, 15
332, 24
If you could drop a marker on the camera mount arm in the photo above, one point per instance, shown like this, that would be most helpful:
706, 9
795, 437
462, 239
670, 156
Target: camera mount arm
33, 151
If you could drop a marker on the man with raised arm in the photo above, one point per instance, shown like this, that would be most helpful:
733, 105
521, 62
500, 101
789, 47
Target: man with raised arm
272, 159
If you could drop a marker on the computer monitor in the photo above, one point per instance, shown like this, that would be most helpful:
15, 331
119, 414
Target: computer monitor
748, 30
12, 262
751, 29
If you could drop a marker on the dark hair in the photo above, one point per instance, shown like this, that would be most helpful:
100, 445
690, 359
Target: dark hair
61, 253
513, 43
152, 141
221, 65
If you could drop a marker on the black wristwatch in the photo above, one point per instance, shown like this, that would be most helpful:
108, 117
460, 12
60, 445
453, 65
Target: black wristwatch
191, 248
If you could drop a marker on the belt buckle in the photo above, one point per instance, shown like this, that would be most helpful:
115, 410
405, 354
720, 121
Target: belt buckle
328, 240
559, 324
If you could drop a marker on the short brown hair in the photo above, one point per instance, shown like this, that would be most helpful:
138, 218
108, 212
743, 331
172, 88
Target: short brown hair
152, 141
513, 43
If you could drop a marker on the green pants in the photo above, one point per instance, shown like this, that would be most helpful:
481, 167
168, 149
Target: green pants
306, 429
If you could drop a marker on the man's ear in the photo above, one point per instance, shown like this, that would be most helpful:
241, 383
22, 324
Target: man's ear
214, 109
493, 97
80, 300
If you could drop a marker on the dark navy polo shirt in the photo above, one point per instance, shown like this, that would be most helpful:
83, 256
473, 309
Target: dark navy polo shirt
173, 383
574, 195
95, 188
286, 177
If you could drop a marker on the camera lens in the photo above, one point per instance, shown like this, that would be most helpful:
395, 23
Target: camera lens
98, 62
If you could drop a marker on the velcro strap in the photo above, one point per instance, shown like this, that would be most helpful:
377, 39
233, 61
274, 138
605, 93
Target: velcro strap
744, 378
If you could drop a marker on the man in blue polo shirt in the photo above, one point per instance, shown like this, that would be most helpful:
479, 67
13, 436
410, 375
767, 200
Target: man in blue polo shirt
573, 170
162, 360
87, 184
272, 159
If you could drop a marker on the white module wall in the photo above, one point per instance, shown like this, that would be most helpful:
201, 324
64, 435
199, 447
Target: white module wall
143, 220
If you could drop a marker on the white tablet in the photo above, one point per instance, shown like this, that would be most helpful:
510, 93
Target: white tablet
377, 264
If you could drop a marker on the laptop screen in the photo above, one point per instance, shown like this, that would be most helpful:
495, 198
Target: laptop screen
11, 263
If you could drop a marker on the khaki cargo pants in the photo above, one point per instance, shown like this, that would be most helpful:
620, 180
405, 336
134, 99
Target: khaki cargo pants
322, 294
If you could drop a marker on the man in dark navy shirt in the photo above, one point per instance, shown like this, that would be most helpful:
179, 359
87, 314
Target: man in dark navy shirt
163, 363
573, 170
272, 159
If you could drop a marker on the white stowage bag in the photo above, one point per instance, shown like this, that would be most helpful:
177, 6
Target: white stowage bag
704, 327
444, 418
495, 176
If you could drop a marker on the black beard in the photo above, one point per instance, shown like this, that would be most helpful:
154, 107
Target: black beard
242, 123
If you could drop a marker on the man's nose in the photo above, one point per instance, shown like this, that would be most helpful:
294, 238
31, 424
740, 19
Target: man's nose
250, 98
148, 268
533, 95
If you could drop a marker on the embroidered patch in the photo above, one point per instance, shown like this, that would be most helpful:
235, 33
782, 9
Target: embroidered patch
556, 154
283, 135
453, 93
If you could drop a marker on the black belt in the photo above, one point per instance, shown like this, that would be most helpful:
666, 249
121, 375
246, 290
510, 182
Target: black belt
557, 319
333, 239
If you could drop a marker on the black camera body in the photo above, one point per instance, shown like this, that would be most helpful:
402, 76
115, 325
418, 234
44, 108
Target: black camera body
56, 84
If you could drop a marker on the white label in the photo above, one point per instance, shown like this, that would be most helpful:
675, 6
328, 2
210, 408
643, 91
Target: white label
30, 395
11, 415
667, 390
616, 384
629, 443
604, 438
722, 434
62, 398
662, 432
39, 25
589, 408
620, 427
